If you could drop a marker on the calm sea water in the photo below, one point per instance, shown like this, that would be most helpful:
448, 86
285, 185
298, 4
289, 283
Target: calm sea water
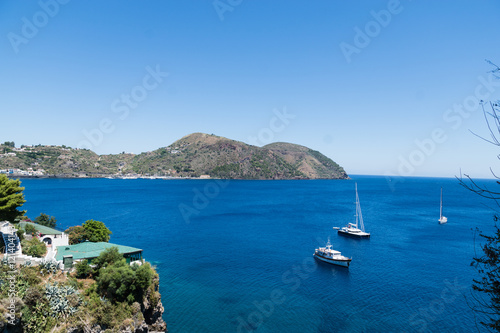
236, 256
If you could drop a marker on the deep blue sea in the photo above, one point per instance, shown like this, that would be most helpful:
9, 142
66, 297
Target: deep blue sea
236, 256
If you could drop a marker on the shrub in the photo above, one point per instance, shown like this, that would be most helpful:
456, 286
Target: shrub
72, 282
20, 234
121, 283
34, 296
34, 247
144, 275
30, 229
30, 275
35, 319
101, 310
116, 282
83, 269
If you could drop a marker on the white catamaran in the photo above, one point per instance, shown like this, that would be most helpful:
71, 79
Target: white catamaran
355, 229
442, 219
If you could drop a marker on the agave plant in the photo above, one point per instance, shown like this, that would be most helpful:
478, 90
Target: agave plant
50, 266
61, 308
58, 299
52, 291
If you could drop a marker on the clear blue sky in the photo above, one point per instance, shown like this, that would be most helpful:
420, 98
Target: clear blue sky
359, 90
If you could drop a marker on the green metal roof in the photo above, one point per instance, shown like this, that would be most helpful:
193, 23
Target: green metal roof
41, 228
88, 250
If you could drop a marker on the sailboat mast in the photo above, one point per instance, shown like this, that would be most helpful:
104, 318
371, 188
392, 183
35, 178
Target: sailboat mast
359, 216
357, 199
441, 205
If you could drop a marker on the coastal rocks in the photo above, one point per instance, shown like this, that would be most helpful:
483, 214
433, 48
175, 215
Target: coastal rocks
93, 329
142, 328
156, 322
147, 316
16, 328
152, 308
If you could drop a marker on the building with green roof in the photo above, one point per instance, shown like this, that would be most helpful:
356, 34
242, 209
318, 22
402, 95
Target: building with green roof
40, 228
90, 250
50, 236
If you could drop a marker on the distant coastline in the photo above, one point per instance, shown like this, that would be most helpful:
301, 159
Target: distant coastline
152, 178
195, 156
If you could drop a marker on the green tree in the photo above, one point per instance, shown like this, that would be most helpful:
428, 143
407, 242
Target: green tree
9, 144
11, 198
76, 234
120, 282
44, 219
144, 276
116, 282
96, 231
107, 257
487, 298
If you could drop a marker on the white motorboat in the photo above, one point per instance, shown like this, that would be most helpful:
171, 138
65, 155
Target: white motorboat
330, 256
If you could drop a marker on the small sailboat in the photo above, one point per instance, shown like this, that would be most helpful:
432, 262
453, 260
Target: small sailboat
326, 254
356, 229
442, 219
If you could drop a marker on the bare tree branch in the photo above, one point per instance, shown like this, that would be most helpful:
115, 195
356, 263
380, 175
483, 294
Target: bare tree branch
496, 120
485, 293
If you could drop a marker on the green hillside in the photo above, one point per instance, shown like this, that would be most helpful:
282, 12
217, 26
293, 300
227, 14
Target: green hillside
192, 156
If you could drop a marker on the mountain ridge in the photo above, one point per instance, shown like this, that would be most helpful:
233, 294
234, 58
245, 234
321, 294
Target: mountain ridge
193, 155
